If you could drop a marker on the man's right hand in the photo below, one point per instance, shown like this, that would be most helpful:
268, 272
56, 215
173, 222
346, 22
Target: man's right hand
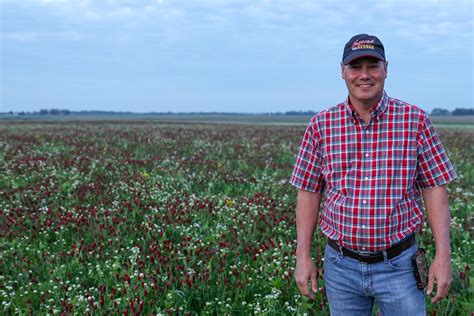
305, 272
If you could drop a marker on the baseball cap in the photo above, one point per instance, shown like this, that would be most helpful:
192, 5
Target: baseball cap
363, 45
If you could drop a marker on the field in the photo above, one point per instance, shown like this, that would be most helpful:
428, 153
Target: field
165, 217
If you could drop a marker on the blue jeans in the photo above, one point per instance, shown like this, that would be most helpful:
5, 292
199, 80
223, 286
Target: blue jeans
353, 286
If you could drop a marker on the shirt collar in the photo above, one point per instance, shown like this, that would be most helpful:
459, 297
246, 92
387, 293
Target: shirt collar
376, 111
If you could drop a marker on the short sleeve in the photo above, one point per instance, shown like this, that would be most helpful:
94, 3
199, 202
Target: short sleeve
434, 167
307, 172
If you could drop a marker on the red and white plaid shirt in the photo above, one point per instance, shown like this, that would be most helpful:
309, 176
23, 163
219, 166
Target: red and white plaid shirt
371, 173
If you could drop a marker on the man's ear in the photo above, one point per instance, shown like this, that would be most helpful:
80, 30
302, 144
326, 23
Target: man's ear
385, 65
342, 71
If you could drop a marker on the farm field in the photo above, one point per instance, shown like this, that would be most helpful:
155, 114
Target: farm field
164, 217
454, 121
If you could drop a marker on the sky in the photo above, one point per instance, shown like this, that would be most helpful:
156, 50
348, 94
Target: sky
226, 56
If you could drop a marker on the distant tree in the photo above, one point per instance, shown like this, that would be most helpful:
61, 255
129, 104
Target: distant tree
54, 112
459, 111
439, 112
44, 112
21, 113
64, 112
299, 113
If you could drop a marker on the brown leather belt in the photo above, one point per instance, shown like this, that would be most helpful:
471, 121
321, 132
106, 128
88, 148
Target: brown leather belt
392, 252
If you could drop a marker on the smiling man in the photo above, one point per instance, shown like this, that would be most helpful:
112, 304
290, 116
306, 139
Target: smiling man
375, 159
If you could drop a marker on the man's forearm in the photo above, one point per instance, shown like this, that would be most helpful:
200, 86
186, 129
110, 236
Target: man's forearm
439, 219
307, 210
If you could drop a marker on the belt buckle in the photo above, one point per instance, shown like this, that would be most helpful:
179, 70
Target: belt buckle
363, 258
368, 258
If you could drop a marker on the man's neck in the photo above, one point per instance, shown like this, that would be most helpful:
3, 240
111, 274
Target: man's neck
363, 110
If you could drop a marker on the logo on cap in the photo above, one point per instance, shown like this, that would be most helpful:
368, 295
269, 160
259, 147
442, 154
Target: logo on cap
363, 44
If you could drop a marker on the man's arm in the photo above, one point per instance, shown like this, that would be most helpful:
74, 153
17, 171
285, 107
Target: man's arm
439, 219
307, 210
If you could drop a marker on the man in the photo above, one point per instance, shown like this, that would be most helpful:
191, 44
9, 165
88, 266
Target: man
374, 158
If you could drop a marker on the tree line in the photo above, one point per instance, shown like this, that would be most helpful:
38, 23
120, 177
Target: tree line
457, 111
41, 112
65, 112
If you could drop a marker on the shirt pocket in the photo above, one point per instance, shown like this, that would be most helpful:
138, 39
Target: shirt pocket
396, 153
399, 152
397, 166
403, 155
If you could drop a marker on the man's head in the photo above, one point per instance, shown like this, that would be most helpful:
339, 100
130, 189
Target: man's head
364, 69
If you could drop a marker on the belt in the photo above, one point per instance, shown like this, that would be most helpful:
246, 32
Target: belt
392, 252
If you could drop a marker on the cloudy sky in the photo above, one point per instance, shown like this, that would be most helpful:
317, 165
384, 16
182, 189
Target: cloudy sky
227, 56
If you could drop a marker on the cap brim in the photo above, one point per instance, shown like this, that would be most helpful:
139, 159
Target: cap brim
359, 54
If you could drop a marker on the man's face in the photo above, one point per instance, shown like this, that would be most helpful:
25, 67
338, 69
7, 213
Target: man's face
365, 78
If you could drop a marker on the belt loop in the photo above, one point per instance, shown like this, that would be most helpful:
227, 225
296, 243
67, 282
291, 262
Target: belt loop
385, 258
340, 250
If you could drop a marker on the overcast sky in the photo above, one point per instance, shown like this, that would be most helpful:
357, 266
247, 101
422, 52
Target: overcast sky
226, 56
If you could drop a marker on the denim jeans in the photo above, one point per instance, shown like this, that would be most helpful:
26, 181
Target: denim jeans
353, 286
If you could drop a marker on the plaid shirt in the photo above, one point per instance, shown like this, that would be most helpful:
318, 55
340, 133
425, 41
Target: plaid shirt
371, 173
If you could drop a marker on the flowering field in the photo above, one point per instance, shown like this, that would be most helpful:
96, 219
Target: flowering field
142, 217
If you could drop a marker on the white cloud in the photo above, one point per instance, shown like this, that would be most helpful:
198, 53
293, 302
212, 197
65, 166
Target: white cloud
423, 16
92, 10
36, 36
25, 37
322, 25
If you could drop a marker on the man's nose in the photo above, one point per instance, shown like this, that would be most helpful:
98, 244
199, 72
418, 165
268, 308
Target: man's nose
364, 73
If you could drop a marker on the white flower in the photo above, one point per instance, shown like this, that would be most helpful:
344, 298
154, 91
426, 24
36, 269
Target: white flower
291, 309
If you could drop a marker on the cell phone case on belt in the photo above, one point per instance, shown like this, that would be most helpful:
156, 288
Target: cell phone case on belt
420, 265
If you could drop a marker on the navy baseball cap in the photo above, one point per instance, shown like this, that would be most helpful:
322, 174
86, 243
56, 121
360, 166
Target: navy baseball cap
363, 45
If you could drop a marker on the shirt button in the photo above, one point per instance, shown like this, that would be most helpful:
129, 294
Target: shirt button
364, 201
363, 248
367, 155
367, 131
366, 178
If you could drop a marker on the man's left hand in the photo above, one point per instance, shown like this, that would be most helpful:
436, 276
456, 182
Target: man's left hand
440, 273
